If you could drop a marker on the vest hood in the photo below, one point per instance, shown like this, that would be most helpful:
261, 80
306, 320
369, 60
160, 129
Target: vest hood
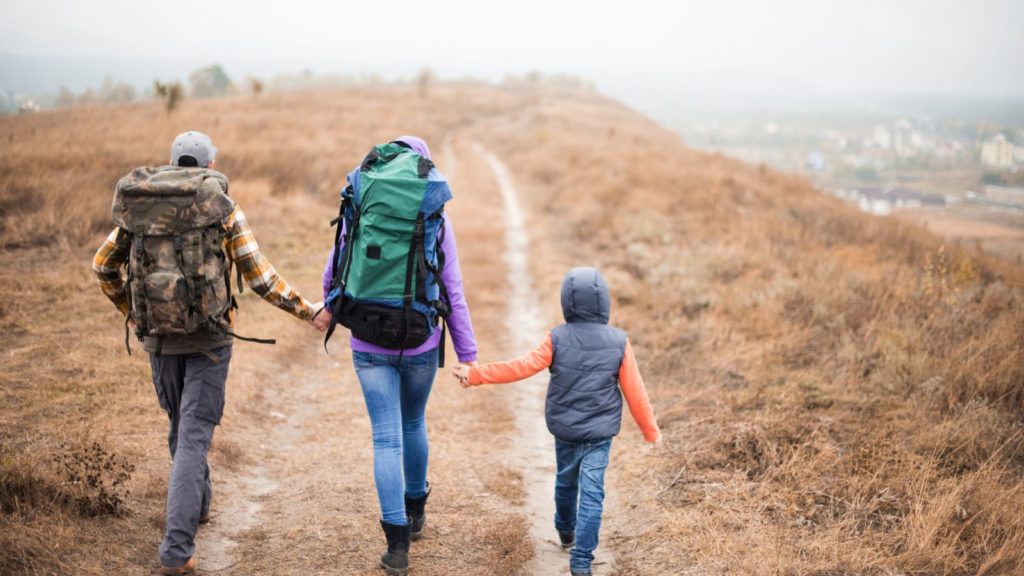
585, 296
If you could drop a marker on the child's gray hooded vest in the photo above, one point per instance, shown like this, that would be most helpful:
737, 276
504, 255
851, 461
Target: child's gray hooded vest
583, 401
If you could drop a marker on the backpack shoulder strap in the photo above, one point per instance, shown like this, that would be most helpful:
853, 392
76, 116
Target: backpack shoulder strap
339, 267
444, 306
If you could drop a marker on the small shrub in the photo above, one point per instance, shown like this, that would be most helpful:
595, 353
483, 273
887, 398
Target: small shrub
94, 479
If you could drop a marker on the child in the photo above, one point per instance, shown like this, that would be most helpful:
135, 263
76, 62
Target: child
590, 362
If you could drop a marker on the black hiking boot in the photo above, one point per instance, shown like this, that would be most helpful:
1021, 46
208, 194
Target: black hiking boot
417, 515
395, 561
568, 539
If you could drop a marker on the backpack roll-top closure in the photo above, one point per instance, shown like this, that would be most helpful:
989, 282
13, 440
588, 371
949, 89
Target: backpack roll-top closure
170, 200
386, 153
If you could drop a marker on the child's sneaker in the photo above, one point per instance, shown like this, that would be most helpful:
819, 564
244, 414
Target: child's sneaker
568, 539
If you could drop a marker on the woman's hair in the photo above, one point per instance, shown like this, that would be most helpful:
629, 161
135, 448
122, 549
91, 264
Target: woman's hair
188, 162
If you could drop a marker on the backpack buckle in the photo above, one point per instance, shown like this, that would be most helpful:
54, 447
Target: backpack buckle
441, 308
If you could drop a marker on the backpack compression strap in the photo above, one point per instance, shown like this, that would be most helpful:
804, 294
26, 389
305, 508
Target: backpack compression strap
136, 269
217, 327
128, 317
415, 251
341, 274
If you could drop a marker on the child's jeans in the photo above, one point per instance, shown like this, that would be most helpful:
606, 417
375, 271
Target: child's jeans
579, 495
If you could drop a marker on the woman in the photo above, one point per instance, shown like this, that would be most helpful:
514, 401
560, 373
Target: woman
396, 385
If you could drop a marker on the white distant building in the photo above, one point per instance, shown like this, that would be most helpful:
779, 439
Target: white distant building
901, 139
815, 161
997, 152
882, 201
1005, 195
882, 137
28, 106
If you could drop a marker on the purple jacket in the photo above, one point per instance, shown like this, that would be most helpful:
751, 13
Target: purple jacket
460, 326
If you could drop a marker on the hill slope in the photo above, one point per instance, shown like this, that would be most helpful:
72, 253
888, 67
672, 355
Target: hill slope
839, 393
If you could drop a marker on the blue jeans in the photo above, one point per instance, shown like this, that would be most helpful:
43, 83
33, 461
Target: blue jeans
579, 495
396, 391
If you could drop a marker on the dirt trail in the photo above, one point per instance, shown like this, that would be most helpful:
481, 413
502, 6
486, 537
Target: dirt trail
272, 438
526, 324
293, 463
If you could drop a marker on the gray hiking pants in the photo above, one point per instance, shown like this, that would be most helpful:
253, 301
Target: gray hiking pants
190, 388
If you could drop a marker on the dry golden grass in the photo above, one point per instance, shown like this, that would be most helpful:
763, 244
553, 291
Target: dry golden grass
840, 394
66, 377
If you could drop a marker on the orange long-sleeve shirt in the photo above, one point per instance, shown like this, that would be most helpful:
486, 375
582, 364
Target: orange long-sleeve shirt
630, 381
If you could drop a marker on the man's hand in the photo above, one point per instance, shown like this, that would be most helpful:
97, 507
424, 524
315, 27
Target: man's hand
461, 372
322, 319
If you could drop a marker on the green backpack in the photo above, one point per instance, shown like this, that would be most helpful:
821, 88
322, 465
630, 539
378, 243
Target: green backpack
387, 286
179, 278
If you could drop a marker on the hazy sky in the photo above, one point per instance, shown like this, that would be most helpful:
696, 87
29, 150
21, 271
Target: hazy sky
780, 48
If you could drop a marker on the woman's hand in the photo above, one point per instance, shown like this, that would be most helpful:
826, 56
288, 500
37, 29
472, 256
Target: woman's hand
322, 319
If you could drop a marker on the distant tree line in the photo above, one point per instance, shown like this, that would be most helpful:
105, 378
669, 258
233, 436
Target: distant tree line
109, 92
213, 81
207, 82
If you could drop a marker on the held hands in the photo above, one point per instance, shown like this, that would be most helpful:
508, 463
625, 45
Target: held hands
322, 318
656, 446
461, 372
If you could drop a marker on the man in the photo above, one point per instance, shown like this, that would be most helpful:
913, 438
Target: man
176, 263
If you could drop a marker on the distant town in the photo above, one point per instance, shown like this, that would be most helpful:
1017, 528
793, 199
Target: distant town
936, 171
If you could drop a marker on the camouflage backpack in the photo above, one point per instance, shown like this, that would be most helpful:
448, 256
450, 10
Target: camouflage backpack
179, 278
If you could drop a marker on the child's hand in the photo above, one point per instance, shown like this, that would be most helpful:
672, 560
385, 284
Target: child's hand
657, 445
461, 372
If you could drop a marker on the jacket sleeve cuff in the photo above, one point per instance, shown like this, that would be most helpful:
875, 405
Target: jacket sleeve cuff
305, 310
467, 357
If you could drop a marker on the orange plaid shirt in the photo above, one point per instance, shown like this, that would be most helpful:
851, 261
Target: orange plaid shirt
239, 244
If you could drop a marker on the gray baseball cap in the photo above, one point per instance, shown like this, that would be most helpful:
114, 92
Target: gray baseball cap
196, 145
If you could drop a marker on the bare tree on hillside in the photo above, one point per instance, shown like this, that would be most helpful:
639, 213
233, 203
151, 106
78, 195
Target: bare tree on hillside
171, 94
424, 81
